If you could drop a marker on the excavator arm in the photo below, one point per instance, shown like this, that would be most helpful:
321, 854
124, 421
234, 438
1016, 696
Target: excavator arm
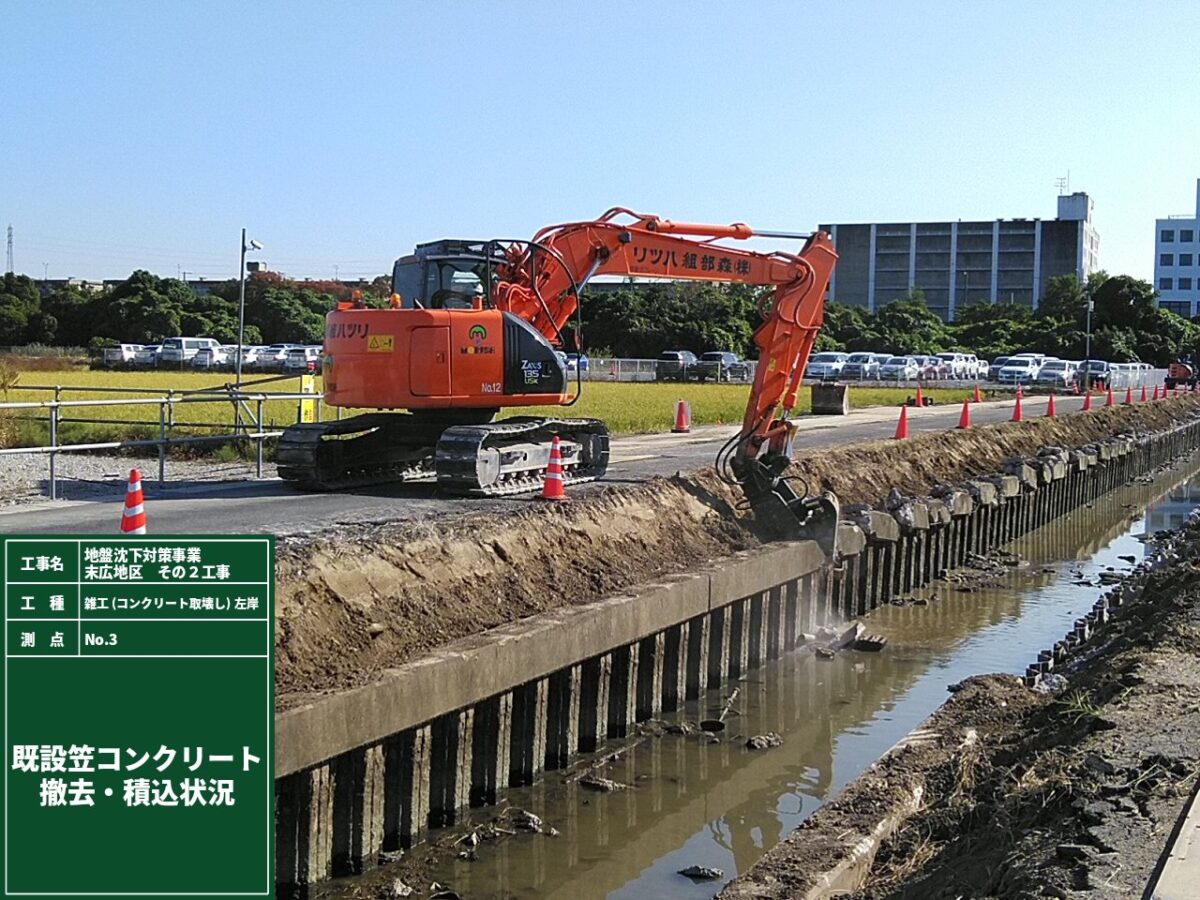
541, 281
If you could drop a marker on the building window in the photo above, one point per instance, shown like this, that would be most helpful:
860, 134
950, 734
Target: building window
1183, 308
1167, 236
1166, 259
1185, 259
1187, 235
1185, 284
1164, 284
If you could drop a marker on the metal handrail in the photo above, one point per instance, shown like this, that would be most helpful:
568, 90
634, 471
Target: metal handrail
166, 404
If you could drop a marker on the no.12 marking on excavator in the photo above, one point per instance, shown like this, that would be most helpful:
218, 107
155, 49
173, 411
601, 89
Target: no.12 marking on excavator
381, 343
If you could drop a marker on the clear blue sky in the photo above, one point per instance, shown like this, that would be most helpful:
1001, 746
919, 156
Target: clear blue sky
147, 134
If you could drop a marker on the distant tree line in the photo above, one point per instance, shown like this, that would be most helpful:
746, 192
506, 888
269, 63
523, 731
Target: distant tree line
1126, 324
634, 321
145, 309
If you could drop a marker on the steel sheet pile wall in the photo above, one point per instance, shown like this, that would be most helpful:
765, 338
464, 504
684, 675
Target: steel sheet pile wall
373, 769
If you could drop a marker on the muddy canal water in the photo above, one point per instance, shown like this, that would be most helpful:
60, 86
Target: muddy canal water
692, 802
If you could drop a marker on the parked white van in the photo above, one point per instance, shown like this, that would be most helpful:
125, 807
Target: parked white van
178, 350
121, 355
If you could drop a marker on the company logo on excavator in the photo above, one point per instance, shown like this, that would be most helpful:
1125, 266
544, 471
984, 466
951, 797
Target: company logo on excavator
477, 335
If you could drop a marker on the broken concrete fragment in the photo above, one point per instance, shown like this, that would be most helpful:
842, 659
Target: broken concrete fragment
879, 526
1023, 472
603, 785
939, 512
1006, 485
982, 492
850, 539
849, 636
913, 515
870, 643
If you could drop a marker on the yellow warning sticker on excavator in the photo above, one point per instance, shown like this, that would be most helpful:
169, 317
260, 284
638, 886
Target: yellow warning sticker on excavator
381, 343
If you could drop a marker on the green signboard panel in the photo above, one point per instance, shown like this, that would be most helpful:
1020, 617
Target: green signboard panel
138, 716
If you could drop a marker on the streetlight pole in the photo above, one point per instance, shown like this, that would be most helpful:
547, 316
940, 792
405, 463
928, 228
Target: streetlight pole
251, 245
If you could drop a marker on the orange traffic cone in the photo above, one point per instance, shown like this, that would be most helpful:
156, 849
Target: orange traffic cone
683, 417
964, 420
1155, 397
1017, 407
1075, 384
920, 399
978, 397
552, 487
1129, 396
133, 519
1087, 400
902, 425
1108, 401
1144, 396
1050, 407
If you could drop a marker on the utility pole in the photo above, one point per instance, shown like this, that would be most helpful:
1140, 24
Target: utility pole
10, 254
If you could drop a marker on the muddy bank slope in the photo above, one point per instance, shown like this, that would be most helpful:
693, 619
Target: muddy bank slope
1007, 792
355, 602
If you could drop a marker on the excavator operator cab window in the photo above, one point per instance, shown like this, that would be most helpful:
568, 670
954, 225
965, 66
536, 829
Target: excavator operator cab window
454, 284
406, 281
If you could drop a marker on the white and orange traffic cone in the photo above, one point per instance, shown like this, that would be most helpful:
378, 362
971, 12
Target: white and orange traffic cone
902, 425
552, 487
133, 519
683, 417
920, 397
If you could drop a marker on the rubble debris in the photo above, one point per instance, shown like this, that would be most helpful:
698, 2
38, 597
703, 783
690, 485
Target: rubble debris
603, 785
400, 889
764, 741
702, 873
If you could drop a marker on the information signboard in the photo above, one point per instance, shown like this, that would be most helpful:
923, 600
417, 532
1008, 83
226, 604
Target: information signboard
138, 716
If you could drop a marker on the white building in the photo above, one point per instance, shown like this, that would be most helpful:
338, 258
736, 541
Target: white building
1177, 260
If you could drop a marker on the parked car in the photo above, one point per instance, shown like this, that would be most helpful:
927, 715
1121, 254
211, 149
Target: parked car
211, 357
720, 365
120, 355
147, 357
932, 368
1019, 370
303, 359
673, 365
250, 357
178, 350
272, 357
577, 361
899, 368
956, 363
1058, 373
993, 371
974, 368
862, 366
826, 365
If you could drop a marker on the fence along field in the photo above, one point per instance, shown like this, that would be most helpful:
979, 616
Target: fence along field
626, 407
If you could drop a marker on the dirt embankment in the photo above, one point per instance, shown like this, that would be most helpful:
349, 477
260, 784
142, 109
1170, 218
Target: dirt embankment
352, 603
1031, 794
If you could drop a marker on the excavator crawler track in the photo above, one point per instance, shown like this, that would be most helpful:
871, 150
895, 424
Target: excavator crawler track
511, 456
488, 460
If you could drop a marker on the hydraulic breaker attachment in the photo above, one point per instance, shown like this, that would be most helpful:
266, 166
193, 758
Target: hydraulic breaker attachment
790, 513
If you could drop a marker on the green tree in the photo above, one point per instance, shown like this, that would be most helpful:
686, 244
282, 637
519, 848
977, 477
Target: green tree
907, 325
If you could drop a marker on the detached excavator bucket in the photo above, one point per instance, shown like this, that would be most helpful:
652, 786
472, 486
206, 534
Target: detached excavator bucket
830, 399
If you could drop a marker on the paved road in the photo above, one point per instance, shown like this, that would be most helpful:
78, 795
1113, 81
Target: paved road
271, 506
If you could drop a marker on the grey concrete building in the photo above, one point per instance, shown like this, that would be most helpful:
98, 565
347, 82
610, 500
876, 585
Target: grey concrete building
956, 263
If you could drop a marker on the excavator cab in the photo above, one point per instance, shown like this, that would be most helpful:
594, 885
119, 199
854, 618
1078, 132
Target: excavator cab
447, 274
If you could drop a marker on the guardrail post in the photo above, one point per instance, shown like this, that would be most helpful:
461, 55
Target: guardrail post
162, 442
54, 443
258, 456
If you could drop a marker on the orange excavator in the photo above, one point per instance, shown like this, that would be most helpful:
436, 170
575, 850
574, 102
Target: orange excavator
474, 327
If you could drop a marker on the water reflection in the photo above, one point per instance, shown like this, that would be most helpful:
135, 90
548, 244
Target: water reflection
721, 805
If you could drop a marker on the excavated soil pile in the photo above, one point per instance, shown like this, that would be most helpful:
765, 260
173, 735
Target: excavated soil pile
368, 597
864, 473
350, 605
1028, 794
